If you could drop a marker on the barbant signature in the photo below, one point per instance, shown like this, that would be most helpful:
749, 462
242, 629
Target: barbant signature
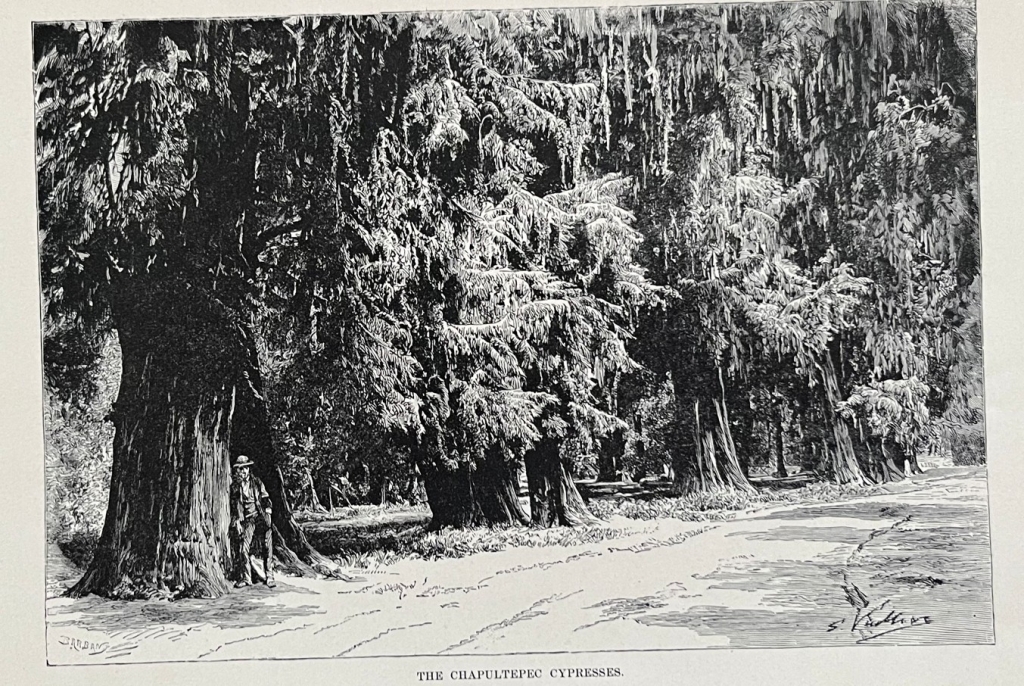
82, 645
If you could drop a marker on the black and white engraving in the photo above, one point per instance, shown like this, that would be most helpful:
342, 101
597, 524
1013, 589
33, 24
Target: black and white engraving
521, 331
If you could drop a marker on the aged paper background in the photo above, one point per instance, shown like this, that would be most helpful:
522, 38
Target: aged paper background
1001, 79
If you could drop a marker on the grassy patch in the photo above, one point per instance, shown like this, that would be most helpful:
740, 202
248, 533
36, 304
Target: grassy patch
380, 548
357, 512
720, 504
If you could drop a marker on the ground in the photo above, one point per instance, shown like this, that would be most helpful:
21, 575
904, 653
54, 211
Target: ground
907, 565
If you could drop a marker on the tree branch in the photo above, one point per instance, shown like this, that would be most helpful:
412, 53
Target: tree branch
264, 239
252, 251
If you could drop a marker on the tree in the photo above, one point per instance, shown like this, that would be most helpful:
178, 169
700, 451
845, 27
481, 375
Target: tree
807, 90
155, 214
894, 414
887, 122
423, 313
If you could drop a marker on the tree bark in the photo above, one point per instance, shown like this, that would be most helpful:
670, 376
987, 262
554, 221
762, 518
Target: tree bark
694, 461
496, 483
473, 495
450, 496
840, 460
706, 459
166, 527
728, 463
554, 498
915, 466
780, 455
888, 471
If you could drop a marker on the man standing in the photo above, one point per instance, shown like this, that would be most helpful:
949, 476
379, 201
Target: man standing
250, 515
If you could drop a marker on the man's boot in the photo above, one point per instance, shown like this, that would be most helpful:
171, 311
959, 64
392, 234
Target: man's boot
244, 576
269, 578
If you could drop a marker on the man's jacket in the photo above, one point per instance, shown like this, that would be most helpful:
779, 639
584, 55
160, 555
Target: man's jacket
248, 499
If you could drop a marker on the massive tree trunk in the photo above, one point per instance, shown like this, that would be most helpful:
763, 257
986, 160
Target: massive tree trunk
190, 401
166, 527
473, 495
707, 458
450, 496
694, 464
840, 460
913, 464
496, 482
887, 461
728, 463
554, 498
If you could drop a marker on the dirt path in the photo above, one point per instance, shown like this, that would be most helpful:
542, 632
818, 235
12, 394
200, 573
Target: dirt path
910, 566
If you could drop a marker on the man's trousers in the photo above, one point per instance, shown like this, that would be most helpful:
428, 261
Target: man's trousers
251, 528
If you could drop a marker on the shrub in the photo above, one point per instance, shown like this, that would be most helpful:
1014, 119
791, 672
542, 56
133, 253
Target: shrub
78, 445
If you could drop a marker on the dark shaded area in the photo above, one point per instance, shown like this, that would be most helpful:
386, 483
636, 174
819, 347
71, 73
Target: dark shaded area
645, 490
391, 532
824, 534
79, 548
649, 489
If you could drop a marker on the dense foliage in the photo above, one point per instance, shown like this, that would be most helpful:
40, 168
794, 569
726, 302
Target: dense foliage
445, 247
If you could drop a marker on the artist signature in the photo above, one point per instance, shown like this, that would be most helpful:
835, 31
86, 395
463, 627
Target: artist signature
83, 646
880, 621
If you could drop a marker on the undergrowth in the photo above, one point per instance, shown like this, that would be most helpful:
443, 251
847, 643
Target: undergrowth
721, 504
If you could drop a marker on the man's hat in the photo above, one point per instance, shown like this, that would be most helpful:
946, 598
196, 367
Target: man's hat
242, 461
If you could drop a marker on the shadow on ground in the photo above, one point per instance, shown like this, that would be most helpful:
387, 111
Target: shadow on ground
255, 606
